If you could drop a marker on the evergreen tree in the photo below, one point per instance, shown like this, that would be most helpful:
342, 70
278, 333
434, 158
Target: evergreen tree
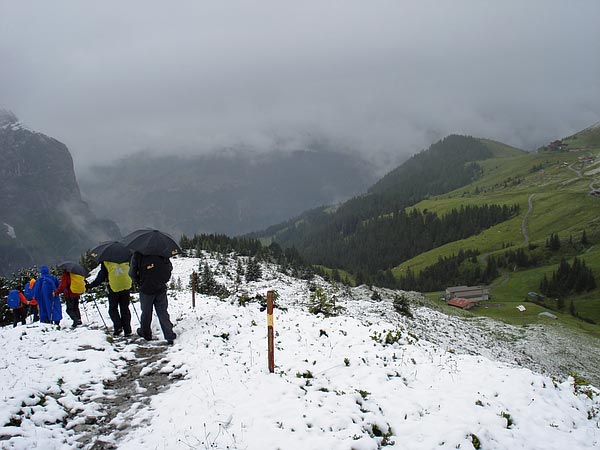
584, 239
544, 286
402, 305
239, 272
253, 271
87, 261
553, 243
207, 281
569, 279
335, 275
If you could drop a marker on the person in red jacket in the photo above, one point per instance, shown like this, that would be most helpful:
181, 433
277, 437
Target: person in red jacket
71, 298
33, 304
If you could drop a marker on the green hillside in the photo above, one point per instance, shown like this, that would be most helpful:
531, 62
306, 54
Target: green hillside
372, 233
471, 211
558, 179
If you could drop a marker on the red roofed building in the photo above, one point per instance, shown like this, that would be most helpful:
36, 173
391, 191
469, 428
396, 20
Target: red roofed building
464, 303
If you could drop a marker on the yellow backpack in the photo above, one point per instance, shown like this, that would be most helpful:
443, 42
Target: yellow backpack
77, 284
118, 276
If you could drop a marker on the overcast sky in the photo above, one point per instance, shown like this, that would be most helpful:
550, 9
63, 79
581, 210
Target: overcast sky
385, 77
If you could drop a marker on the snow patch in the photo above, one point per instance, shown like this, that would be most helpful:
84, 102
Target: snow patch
368, 378
10, 230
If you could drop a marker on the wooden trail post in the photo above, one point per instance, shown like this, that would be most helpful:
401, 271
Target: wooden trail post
193, 289
270, 344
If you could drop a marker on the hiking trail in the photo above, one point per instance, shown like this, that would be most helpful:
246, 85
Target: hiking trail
143, 377
524, 222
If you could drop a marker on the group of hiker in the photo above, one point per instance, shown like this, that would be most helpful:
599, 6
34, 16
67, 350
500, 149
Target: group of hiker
150, 272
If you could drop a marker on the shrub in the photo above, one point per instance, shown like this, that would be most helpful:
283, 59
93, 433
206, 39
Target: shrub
402, 305
320, 303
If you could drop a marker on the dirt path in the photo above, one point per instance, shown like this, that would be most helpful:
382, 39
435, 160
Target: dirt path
524, 223
129, 393
578, 172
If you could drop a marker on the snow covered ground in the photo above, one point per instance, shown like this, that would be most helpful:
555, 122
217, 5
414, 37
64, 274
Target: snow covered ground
337, 383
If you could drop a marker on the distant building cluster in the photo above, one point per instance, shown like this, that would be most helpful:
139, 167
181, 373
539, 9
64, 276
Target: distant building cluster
466, 297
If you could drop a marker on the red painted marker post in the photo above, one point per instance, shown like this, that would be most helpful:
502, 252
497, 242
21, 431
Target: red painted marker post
271, 345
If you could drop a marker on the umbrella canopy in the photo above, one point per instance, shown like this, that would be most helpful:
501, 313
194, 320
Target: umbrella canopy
72, 267
151, 242
112, 251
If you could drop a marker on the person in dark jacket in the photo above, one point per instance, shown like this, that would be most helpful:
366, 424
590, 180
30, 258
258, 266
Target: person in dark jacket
43, 292
71, 298
20, 312
152, 273
119, 287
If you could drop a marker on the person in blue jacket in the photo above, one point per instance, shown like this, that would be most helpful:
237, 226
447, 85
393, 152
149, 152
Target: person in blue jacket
43, 292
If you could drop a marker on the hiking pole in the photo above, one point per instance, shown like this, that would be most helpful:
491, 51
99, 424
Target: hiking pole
136, 313
85, 310
100, 313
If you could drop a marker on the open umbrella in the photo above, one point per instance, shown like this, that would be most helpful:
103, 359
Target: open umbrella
72, 267
151, 242
112, 251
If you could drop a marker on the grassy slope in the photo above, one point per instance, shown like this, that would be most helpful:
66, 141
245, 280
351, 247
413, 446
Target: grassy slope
560, 205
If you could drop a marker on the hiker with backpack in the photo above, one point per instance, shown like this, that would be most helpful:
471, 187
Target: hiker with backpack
71, 285
119, 287
19, 305
48, 302
152, 273
33, 305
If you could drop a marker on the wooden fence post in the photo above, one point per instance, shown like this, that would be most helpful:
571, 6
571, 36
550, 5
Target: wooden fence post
270, 343
193, 289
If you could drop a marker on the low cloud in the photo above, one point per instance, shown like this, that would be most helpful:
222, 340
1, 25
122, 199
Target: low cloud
384, 78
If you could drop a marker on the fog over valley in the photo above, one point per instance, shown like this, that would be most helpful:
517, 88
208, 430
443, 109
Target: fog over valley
383, 78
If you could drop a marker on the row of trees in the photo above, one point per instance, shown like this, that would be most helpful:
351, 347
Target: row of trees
518, 258
289, 259
462, 268
568, 279
385, 242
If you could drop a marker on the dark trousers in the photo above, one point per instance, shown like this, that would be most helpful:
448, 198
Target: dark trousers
118, 310
19, 315
160, 303
73, 309
33, 311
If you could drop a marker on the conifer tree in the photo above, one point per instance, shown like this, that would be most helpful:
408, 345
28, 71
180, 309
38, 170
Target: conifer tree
253, 272
239, 272
87, 261
335, 275
584, 239
207, 281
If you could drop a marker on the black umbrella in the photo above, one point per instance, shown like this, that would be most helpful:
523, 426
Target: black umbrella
151, 242
72, 267
112, 251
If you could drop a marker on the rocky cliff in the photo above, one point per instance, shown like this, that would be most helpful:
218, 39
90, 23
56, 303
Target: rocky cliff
42, 216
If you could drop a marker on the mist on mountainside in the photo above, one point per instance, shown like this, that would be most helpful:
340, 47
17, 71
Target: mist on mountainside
43, 218
231, 193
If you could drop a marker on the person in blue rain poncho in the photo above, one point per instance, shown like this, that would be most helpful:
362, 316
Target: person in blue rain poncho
43, 291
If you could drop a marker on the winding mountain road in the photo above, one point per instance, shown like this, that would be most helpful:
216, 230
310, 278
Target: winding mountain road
524, 222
